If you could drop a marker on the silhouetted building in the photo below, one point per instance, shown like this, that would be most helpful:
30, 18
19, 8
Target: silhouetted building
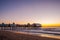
28, 25
13, 25
3, 25
36, 25
9, 25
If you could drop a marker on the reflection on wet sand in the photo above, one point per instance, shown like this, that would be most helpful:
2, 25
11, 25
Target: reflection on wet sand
7, 35
51, 36
41, 35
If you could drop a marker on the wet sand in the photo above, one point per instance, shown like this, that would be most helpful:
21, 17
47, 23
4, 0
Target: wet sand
6, 35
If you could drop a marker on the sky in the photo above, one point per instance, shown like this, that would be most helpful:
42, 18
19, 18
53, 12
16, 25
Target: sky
30, 11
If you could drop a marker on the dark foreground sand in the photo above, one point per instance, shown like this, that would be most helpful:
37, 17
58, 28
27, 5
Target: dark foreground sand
6, 35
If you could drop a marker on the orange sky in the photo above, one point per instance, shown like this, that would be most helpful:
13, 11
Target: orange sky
50, 25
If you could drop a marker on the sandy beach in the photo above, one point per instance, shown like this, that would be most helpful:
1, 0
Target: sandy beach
6, 35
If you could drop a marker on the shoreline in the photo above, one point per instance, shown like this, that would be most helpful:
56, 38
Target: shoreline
21, 36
